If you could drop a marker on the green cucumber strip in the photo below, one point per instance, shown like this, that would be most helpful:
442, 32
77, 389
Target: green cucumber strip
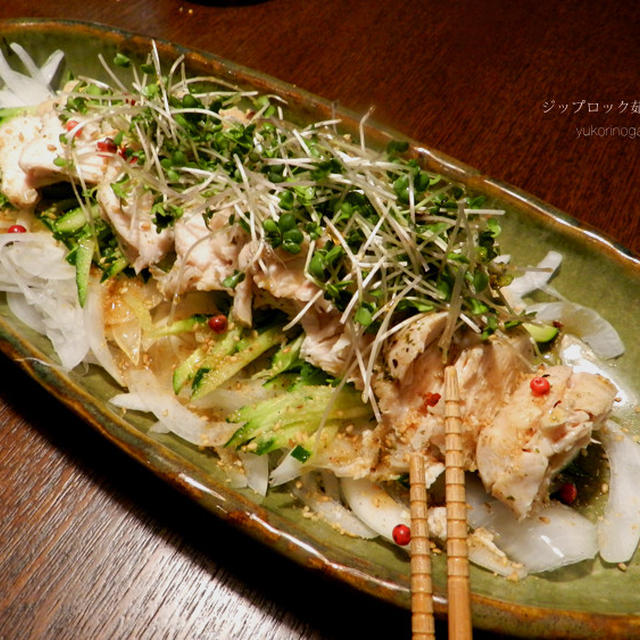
11, 112
286, 357
70, 222
291, 436
282, 382
541, 333
300, 453
73, 220
119, 265
83, 258
228, 366
179, 326
187, 369
205, 357
302, 408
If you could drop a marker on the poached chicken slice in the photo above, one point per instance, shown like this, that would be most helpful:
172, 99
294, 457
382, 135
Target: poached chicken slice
516, 440
410, 386
533, 437
131, 219
30, 146
13, 135
38, 158
206, 254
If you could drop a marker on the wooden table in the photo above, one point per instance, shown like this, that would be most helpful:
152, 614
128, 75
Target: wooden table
92, 545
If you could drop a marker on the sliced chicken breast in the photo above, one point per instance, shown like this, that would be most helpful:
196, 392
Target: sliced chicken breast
533, 437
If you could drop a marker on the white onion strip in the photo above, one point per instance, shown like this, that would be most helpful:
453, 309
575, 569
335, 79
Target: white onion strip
584, 322
329, 508
374, 506
164, 405
256, 469
619, 529
531, 280
21, 90
552, 537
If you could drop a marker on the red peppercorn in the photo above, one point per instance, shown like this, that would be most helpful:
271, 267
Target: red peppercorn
568, 493
432, 399
540, 386
72, 124
401, 535
107, 145
16, 228
218, 324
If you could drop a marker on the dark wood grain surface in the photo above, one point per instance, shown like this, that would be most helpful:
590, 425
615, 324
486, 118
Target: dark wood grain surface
544, 95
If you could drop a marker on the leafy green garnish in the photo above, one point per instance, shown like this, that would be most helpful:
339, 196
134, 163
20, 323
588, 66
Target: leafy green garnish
232, 281
120, 60
300, 453
164, 215
381, 236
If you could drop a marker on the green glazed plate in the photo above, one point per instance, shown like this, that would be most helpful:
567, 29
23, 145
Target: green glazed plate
590, 600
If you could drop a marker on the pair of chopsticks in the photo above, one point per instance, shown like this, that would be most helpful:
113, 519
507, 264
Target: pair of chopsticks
459, 619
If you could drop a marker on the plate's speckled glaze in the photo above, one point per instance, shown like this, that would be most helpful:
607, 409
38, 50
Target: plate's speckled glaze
590, 600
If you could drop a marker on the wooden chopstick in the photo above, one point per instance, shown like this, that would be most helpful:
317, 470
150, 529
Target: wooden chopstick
458, 591
422, 622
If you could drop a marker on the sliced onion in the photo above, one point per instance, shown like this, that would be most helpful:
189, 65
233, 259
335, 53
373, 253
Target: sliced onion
379, 511
331, 484
235, 395
44, 74
256, 469
50, 67
35, 255
619, 529
49, 305
22, 90
164, 405
531, 280
288, 469
553, 537
374, 506
94, 326
235, 472
329, 508
484, 552
65, 331
128, 336
583, 322
148, 396
157, 427
25, 312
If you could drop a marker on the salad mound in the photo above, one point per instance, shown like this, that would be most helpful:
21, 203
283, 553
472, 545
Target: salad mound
289, 298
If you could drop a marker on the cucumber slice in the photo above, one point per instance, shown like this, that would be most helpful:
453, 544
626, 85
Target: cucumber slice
273, 423
205, 358
84, 256
11, 112
180, 326
72, 221
231, 364
541, 332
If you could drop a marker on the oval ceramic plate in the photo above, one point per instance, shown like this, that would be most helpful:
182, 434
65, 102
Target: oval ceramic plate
571, 602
